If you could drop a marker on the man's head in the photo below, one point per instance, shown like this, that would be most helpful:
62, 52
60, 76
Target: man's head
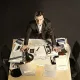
39, 17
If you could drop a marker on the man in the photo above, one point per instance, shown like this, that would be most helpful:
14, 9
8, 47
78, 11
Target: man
40, 28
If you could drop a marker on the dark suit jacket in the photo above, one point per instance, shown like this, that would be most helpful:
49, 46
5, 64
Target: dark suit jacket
33, 31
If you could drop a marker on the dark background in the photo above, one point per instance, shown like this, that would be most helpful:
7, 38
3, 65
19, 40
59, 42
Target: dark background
15, 15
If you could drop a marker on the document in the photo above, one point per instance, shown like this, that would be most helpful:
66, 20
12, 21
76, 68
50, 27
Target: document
40, 52
28, 69
16, 54
49, 70
61, 62
36, 42
16, 57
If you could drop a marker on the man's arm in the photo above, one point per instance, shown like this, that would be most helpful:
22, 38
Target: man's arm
28, 33
51, 33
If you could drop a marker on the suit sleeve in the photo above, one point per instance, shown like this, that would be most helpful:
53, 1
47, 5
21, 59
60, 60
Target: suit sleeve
51, 33
27, 35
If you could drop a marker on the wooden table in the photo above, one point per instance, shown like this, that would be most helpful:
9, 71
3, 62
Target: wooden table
60, 75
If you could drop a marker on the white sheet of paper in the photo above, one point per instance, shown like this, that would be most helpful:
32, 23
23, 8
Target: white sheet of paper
12, 66
40, 52
49, 70
16, 54
36, 42
28, 69
42, 62
61, 62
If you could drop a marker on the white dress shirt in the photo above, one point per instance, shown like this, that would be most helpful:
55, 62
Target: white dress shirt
40, 28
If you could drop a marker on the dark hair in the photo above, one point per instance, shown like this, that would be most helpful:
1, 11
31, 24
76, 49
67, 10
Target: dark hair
39, 13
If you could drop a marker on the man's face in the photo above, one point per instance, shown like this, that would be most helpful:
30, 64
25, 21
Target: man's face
39, 19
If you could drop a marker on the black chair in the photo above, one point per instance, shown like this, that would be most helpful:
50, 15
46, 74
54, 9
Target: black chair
3, 75
76, 50
77, 77
74, 68
4, 57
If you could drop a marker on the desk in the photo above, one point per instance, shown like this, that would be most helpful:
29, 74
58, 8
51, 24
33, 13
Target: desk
60, 75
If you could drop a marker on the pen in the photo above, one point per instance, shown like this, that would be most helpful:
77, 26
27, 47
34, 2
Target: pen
37, 48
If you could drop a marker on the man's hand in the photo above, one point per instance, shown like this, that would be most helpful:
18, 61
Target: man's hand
57, 49
24, 47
